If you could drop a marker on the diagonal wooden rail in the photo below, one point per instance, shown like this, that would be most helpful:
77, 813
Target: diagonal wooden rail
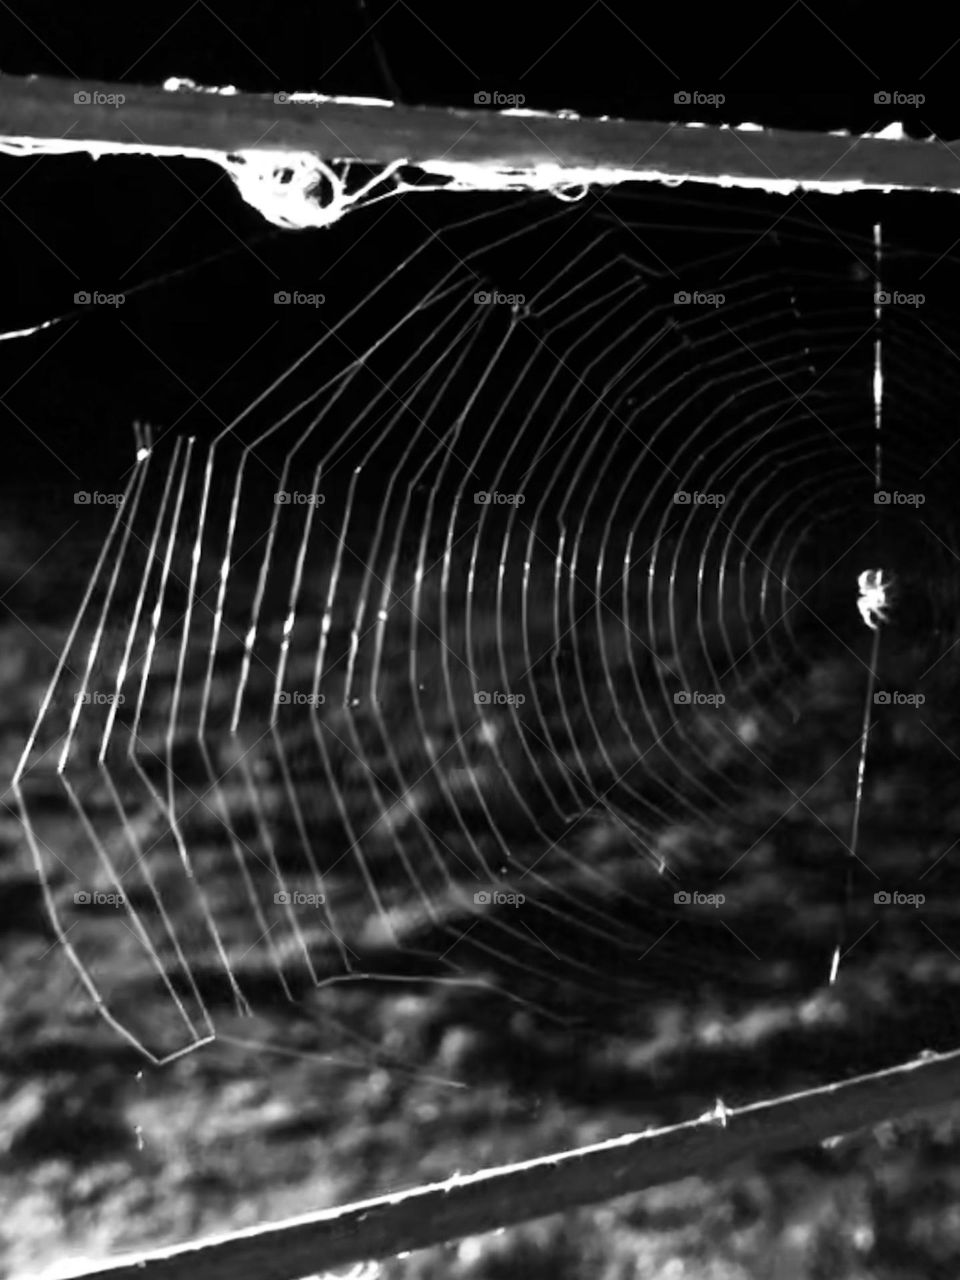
47, 114
494, 1198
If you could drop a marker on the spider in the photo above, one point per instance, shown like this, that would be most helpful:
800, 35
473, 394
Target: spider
876, 597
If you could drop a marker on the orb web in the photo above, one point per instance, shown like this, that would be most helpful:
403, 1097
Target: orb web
510, 638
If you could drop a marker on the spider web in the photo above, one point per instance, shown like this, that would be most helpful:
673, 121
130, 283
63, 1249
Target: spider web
509, 639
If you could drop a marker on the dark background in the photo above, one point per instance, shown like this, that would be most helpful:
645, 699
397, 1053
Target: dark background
144, 226
793, 64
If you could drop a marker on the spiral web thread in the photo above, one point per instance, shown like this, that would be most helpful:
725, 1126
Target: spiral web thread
385, 728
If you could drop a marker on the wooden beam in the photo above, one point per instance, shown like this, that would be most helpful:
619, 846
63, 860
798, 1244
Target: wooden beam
494, 1198
126, 118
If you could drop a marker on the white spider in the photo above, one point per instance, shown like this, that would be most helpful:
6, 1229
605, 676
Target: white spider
876, 597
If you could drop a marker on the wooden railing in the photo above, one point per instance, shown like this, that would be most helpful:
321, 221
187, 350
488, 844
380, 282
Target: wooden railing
495, 1198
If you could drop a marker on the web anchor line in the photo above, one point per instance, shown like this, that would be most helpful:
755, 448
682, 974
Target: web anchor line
873, 603
852, 856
